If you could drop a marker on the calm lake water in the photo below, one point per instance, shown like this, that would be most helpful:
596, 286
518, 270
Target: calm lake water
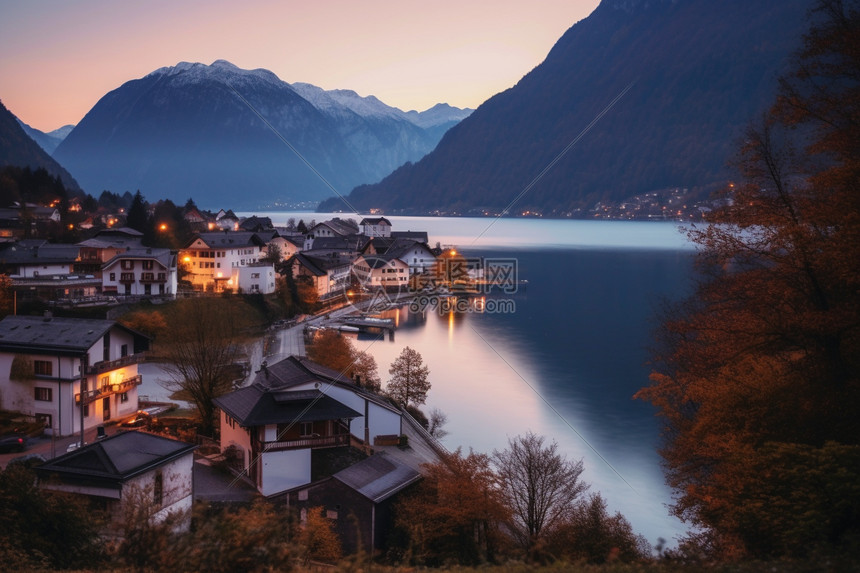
566, 361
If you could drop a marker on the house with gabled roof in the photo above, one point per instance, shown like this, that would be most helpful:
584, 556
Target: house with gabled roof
359, 500
327, 274
375, 227
291, 411
105, 245
418, 256
69, 372
212, 258
381, 271
129, 471
141, 272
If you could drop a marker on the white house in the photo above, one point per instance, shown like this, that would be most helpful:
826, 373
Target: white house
151, 475
417, 255
375, 227
34, 258
381, 271
211, 257
292, 409
258, 278
328, 274
140, 272
65, 371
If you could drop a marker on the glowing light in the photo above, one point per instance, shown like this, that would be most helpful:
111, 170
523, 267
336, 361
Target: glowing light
162, 227
186, 259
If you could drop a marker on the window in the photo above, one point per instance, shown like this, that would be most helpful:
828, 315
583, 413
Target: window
106, 348
158, 488
44, 394
104, 382
147, 265
303, 495
123, 350
43, 368
307, 428
113, 277
45, 419
127, 265
123, 397
255, 275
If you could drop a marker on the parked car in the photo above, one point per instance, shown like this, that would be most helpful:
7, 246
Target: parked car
13, 443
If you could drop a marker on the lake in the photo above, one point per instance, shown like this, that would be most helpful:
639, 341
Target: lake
567, 354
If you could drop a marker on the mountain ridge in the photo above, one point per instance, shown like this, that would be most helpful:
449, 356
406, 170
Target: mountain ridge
208, 131
700, 72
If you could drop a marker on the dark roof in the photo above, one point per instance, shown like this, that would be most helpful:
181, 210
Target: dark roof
228, 239
117, 458
339, 226
375, 221
39, 253
163, 256
378, 477
56, 336
419, 236
119, 232
379, 261
320, 265
401, 247
257, 405
254, 223
249, 405
351, 243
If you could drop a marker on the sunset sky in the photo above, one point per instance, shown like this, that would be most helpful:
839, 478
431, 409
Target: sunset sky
57, 57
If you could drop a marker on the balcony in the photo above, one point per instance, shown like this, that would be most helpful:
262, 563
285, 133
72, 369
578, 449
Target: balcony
106, 365
126, 278
304, 442
92, 395
153, 278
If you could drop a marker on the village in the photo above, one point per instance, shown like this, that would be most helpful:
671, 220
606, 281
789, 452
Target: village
300, 434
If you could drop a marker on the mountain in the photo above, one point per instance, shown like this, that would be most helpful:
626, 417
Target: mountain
19, 149
384, 137
697, 71
47, 141
243, 138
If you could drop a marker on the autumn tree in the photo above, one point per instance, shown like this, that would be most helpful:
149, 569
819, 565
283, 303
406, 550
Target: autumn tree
200, 347
330, 348
592, 535
318, 540
540, 485
7, 296
409, 381
455, 513
151, 323
764, 357
42, 529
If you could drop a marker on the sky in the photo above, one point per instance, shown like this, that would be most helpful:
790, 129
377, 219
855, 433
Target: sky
59, 57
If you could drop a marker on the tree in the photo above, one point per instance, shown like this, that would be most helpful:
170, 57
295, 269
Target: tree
455, 513
765, 356
539, 485
200, 348
409, 382
330, 348
592, 535
318, 539
436, 423
7, 296
150, 323
43, 529
273, 254
138, 218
